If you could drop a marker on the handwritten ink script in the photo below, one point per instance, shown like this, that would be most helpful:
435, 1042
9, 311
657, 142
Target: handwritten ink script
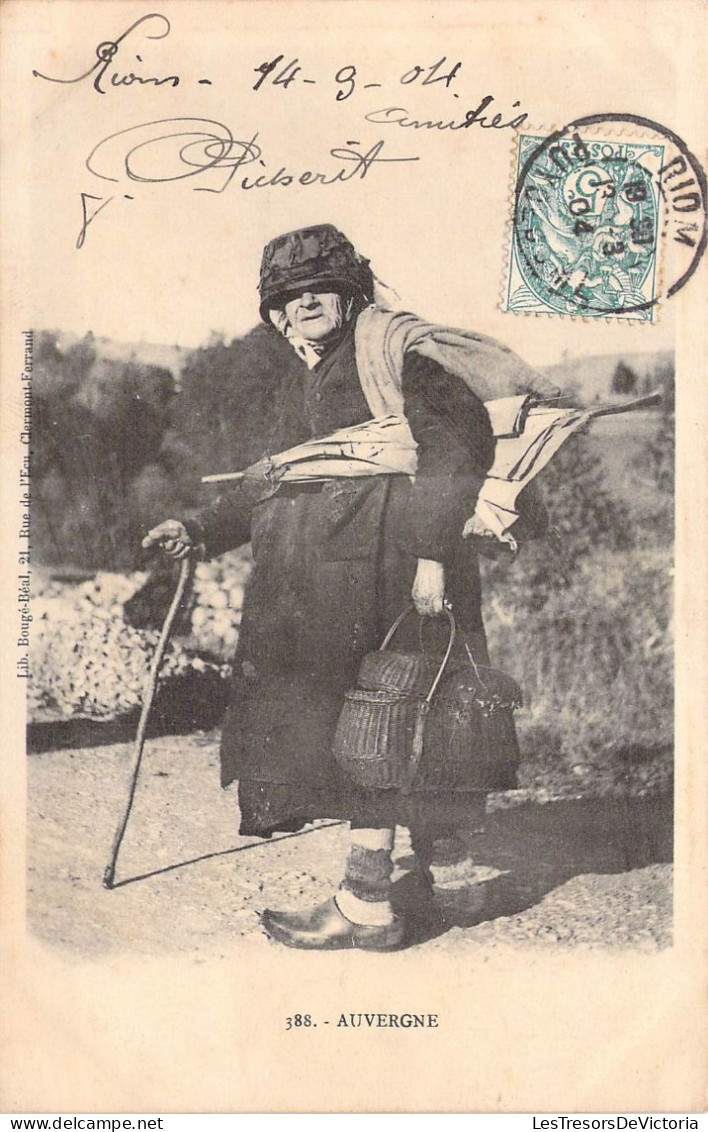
175, 149
178, 148
196, 146
103, 70
347, 79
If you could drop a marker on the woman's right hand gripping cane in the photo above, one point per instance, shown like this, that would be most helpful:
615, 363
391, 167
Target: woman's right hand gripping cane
172, 537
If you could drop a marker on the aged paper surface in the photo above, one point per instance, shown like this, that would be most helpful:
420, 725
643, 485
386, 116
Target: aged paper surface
138, 237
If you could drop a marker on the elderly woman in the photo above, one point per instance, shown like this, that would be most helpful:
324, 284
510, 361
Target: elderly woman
335, 562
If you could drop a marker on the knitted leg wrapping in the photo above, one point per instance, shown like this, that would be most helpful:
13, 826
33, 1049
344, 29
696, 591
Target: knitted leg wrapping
440, 857
367, 873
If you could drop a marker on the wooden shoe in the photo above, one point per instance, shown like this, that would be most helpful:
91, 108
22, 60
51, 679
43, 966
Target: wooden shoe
325, 928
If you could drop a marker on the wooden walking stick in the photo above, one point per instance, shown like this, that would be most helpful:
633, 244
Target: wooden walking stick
185, 576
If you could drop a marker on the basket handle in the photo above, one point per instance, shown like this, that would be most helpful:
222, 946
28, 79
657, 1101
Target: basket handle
473, 662
451, 640
424, 707
443, 666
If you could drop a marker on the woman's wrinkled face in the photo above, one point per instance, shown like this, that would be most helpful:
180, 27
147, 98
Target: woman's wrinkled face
315, 315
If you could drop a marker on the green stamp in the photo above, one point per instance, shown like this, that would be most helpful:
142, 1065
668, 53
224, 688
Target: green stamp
586, 227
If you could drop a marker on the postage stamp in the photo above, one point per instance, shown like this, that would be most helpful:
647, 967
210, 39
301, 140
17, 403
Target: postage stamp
605, 222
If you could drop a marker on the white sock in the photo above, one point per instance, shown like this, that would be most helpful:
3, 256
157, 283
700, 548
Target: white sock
374, 914
373, 838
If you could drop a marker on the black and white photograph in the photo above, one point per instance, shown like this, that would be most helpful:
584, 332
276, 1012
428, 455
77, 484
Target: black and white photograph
354, 474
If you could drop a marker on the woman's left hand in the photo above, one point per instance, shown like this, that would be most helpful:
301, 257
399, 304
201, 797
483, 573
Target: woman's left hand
429, 587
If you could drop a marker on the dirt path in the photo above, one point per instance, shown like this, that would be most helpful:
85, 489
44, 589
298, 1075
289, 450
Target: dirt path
591, 873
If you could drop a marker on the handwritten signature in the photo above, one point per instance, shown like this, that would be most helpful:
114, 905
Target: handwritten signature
107, 51
176, 149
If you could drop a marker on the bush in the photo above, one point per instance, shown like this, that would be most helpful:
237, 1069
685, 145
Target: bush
585, 519
659, 458
596, 666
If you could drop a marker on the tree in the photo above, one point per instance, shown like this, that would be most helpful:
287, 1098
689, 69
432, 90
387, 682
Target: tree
624, 379
115, 446
229, 398
96, 424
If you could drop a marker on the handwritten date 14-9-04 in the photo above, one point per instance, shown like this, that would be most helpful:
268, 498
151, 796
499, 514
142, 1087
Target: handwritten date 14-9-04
105, 74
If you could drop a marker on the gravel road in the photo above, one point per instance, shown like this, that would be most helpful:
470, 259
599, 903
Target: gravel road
581, 873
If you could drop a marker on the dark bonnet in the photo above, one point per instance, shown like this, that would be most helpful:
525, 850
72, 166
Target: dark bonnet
320, 257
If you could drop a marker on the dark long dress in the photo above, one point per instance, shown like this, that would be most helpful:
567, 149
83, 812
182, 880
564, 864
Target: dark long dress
334, 564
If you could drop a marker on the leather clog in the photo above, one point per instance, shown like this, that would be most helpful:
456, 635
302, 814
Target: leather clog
325, 928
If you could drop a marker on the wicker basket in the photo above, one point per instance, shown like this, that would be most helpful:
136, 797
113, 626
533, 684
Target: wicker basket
470, 737
394, 671
401, 738
375, 736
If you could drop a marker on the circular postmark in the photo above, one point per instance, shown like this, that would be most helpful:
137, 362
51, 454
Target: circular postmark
609, 218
